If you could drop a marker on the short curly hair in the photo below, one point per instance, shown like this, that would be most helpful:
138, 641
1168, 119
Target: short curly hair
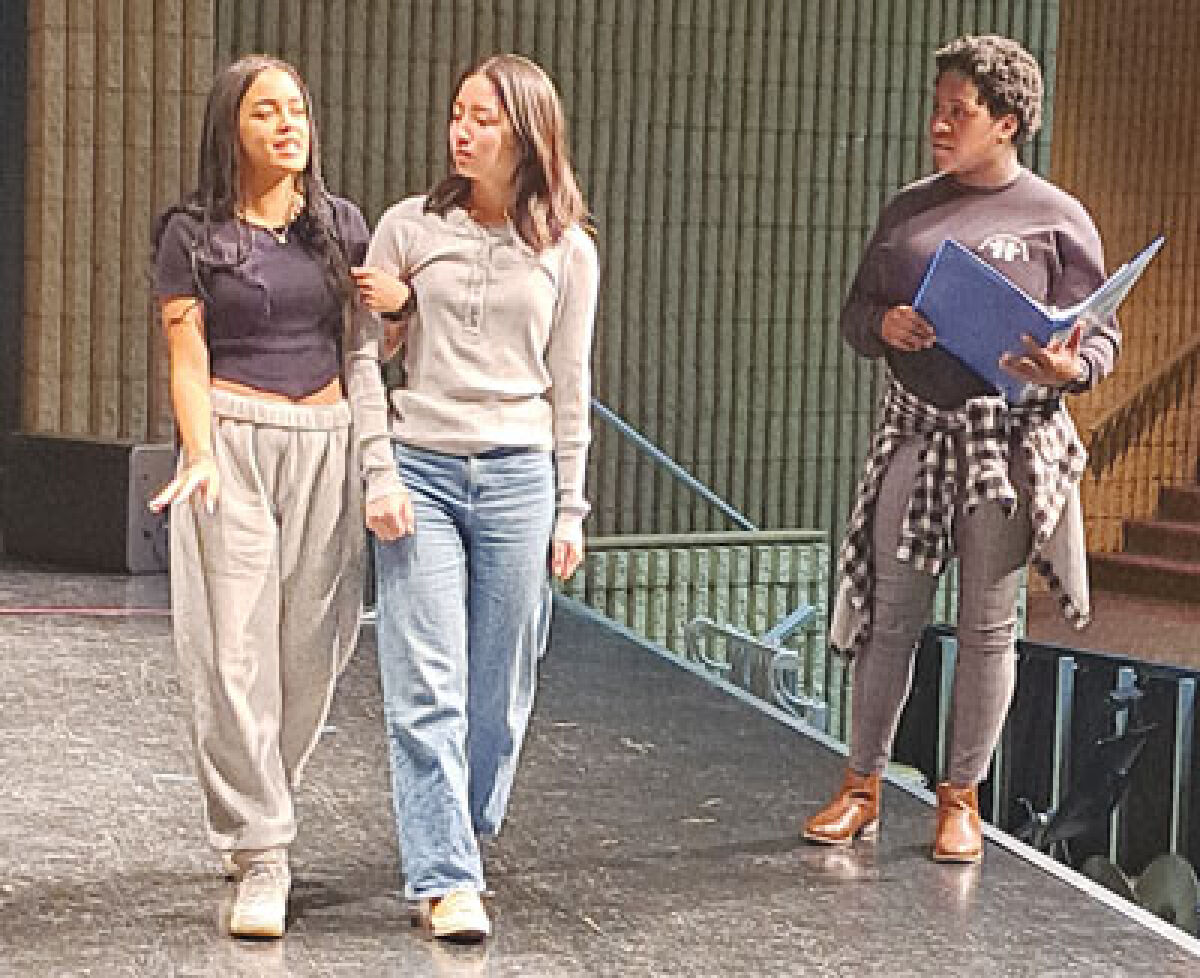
1008, 78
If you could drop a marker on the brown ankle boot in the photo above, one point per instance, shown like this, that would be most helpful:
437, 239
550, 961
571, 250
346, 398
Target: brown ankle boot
854, 811
959, 837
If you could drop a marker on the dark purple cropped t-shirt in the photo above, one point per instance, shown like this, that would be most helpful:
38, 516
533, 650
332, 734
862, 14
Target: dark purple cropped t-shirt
272, 321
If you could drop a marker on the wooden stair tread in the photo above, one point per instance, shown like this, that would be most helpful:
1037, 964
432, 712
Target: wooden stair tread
1173, 526
1148, 561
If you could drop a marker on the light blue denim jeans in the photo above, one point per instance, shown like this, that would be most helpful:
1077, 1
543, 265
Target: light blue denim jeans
463, 617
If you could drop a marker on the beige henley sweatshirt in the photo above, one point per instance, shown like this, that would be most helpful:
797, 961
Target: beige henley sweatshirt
497, 354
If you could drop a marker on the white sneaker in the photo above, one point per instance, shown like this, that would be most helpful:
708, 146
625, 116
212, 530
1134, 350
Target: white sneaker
260, 905
459, 916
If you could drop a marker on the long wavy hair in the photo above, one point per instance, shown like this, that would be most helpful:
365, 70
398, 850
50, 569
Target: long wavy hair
548, 199
215, 201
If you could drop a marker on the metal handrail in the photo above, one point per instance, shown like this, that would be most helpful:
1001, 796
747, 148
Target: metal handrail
761, 665
660, 458
756, 654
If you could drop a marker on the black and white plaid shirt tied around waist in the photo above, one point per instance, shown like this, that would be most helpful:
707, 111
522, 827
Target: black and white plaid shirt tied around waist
988, 428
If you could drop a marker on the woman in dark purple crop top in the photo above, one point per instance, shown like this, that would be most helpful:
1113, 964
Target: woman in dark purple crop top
281, 417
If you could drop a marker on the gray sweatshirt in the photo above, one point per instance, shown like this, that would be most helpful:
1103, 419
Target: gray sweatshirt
1039, 236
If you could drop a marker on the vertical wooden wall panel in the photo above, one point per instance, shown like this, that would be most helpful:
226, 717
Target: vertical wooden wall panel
330, 104
108, 110
396, 120
679, 256
728, 262
105, 300
273, 17
1127, 149
593, 132
644, 280
45, 154
702, 175
14, 119
376, 102
225, 40
353, 106
198, 69
735, 156
615, 302
779, 116
76, 340
137, 318
196, 65
172, 173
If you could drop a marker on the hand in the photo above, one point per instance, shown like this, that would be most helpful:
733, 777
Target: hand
903, 328
380, 291
200, 476
566, 553
391, 517
1054, 365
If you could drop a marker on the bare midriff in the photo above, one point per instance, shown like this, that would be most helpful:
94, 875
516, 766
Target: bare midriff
331, 393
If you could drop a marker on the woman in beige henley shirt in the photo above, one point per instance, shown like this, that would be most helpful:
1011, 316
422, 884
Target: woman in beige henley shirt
491, 435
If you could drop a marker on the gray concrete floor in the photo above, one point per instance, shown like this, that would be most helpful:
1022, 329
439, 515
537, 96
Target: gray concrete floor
652, 832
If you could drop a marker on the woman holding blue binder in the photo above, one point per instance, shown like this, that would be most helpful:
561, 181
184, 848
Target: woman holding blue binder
954, 468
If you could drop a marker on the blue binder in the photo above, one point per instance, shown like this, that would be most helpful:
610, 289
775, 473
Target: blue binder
979, 315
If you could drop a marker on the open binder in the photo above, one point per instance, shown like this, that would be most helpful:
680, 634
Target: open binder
979, 315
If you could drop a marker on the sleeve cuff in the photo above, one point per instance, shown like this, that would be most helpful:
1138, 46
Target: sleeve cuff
568, 526
1083, 383
380, 483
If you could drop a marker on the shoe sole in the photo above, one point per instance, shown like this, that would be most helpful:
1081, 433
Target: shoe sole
419, 915
470, 936
866, 833
261, 929
950, 858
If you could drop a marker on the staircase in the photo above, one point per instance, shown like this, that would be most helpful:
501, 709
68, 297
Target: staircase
1161, 558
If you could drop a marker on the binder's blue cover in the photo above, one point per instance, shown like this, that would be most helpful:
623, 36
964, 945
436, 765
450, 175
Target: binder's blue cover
979, 315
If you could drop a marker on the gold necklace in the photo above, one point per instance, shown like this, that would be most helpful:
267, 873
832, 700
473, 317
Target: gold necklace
279, 233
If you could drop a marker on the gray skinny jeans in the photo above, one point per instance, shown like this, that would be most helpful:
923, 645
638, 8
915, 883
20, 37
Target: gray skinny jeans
992, 551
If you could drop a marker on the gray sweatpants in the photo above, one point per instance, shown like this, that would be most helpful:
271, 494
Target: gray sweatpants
992, 551
266, 595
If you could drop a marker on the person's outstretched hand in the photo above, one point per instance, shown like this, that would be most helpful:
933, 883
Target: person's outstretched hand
1053, 365
199, 477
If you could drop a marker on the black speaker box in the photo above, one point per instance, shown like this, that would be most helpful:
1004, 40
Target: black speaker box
81, 502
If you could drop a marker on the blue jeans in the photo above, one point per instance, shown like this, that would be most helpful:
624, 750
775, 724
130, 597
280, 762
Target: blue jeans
463, 617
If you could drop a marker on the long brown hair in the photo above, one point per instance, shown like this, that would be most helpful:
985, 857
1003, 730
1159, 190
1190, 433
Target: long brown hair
218, 180
548, 200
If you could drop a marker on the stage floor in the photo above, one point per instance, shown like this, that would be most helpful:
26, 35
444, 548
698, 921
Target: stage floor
653, 831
